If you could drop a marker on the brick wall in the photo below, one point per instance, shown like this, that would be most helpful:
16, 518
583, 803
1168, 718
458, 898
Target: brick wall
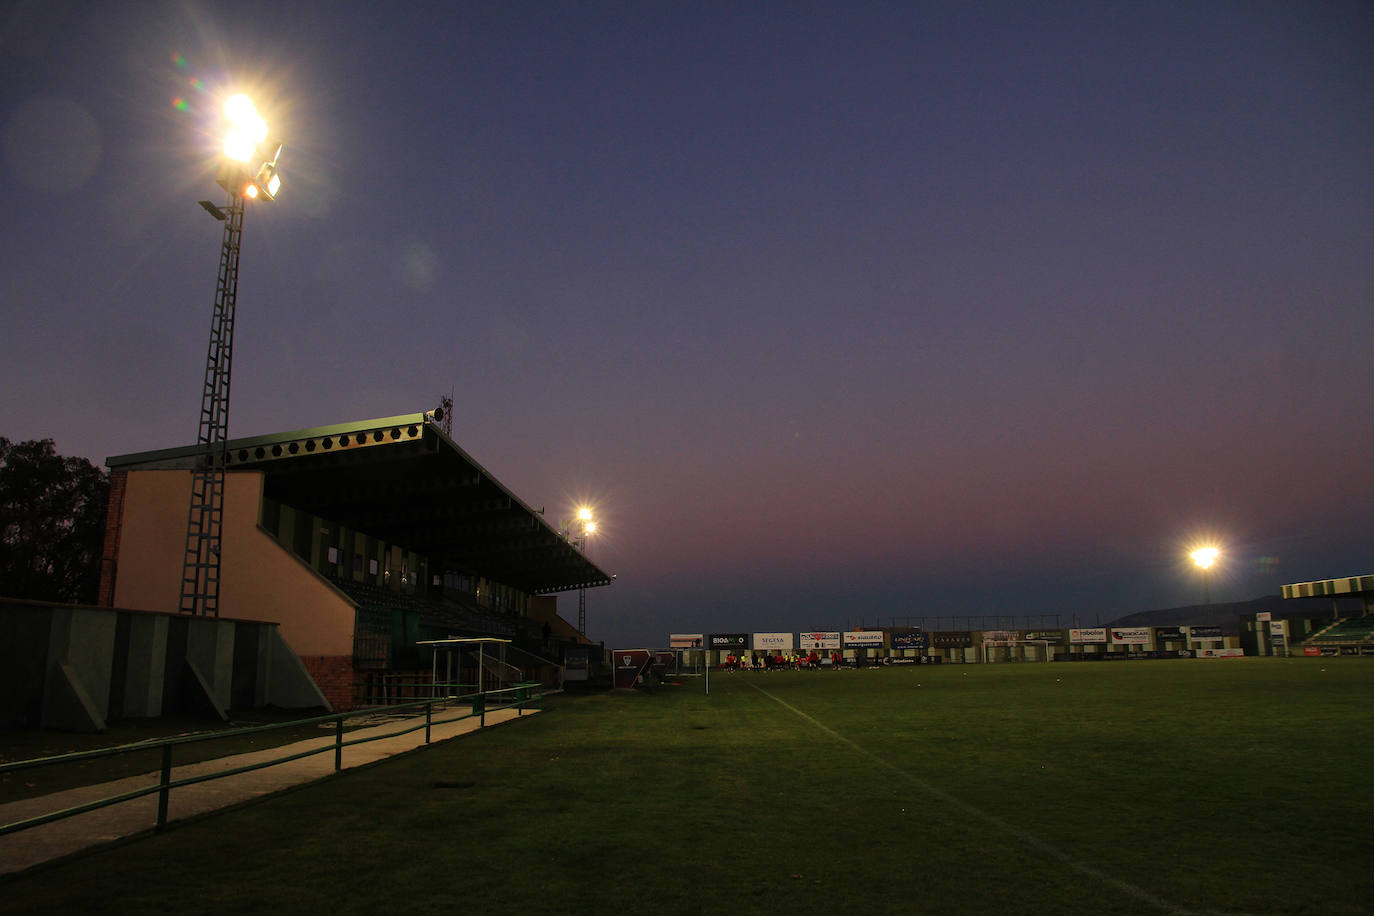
335, 677
109, 553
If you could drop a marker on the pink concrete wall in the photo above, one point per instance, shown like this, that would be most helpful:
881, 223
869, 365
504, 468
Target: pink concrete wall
150, 541
259, 579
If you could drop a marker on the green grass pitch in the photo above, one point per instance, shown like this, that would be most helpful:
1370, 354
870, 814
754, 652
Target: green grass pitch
1185, 786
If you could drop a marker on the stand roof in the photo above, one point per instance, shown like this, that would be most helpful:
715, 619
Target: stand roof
403, 480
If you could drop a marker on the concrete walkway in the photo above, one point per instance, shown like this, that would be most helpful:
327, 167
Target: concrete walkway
36, 845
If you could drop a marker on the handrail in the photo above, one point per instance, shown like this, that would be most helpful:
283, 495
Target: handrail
522, 696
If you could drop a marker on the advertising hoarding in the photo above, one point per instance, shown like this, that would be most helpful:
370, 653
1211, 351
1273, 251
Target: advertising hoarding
863, 639
777, 642
1130, 636
684, 640
728, 640
1124, 656
826, 640
1088, 635
907, 639
1204, 632
628, 664
951, 639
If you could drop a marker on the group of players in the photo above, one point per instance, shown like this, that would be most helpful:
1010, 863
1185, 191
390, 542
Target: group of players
780, 661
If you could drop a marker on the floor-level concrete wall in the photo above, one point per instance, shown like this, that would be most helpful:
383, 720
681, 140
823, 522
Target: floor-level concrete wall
75, 668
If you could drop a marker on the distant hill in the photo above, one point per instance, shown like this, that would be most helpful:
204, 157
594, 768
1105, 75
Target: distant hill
1227, 614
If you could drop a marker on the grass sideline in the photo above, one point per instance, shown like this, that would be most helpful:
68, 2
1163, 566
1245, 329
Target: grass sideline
1149, 786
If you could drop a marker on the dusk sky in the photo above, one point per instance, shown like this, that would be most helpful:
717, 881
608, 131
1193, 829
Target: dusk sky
837, 312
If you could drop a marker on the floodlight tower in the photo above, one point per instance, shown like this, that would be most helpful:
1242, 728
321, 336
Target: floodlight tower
579, 540
247, 171
1204, 557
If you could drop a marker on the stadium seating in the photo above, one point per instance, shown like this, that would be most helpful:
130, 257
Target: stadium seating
1347, 631
443, 613
390, 623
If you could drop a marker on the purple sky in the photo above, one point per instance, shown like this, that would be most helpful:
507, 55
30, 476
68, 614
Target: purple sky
838, 312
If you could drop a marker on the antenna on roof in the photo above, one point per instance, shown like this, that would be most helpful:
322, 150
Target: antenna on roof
445, 413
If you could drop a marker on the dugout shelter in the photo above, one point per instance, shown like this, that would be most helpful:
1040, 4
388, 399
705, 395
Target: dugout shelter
361, 540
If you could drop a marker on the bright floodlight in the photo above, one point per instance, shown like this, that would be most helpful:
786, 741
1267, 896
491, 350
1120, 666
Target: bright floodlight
585, 514
239, 109
1205, 556
246, 129
589, 528
249, 167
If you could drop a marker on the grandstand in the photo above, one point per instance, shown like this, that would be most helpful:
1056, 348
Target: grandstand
1349, 631
361, 540
1346, 635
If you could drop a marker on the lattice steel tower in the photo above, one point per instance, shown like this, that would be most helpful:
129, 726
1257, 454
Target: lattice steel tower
204, 522
248, 171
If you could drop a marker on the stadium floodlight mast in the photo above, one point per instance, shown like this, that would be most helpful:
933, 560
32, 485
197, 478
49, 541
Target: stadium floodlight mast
1204, 557
584, 518
247, 170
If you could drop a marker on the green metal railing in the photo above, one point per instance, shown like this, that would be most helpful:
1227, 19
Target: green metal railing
520, 696
390, 689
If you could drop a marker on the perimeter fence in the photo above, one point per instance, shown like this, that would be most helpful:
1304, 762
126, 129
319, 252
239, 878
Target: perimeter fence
520, 697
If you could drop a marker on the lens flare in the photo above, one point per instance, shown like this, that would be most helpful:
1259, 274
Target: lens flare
182, 102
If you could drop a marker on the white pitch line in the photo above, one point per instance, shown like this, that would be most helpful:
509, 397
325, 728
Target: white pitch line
1024, 836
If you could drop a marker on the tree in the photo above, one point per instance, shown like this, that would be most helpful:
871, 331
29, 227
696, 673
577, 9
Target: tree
52, 523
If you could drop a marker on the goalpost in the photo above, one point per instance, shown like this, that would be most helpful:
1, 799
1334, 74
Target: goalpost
990, 644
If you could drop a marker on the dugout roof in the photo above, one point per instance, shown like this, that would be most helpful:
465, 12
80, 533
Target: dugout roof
403, 480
